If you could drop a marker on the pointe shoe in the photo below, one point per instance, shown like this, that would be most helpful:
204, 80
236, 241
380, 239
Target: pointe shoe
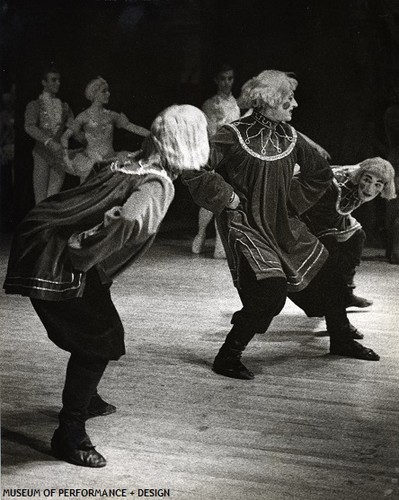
198, 244
361, 302
83, 454
99, 408
353, 349
232, 367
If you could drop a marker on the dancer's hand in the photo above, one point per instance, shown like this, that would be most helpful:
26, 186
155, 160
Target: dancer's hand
234, 202
55, 147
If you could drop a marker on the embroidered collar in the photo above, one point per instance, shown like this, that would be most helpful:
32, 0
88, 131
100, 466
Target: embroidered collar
263, 138
348, 197
263, 120
131, 167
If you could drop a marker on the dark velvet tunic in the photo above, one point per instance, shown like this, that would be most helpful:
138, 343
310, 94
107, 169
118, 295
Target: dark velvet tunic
331, 215
256, 158
106, 222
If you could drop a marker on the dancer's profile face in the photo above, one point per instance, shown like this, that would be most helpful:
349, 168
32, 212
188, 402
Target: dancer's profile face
51, 83
224, 81
369, 186
103, 95
282, 112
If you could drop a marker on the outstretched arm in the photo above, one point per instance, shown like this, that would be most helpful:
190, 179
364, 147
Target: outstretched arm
136, 129
208, 188
121, 121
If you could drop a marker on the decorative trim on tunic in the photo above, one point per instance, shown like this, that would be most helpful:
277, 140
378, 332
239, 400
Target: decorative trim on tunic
46, 285
273, 140
348, 198
126, 167
65, 282
270, 266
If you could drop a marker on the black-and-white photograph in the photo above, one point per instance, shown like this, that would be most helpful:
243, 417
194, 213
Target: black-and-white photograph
199, 253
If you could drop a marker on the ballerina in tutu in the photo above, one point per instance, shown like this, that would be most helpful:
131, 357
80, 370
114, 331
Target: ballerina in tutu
97, 125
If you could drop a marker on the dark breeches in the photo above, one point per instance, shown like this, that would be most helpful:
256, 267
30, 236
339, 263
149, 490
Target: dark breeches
262, 300
88, 326
345, 256
326, 296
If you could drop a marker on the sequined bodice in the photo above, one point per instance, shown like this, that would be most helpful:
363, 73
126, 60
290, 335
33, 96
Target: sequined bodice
99, 136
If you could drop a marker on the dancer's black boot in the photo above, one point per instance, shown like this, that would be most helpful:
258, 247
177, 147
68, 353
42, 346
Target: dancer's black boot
98, 407
352, 349
70, 441
228, 359
341, 332
342, 343
356, 301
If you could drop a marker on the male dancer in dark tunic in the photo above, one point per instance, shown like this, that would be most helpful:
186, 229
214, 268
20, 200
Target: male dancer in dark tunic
271, 253
331, 219
70, 245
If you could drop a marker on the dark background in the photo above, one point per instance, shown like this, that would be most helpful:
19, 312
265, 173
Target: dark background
155, 53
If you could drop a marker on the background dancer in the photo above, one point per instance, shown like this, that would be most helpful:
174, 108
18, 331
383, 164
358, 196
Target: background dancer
46, 119
220, 109
96, 124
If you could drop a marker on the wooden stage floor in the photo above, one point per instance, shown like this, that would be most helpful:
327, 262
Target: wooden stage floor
310, 426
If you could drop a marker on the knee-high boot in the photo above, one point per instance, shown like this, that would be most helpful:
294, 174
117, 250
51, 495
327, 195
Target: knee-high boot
70, 441
228, 359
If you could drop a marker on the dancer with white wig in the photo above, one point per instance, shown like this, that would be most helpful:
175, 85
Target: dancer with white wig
96, 124
331, 218
69, 247
270, 251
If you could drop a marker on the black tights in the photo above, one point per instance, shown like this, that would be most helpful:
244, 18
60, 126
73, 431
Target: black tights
264, 299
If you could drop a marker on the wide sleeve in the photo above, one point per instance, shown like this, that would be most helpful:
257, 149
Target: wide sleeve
32, 123
312, 180
208, 188
124, 229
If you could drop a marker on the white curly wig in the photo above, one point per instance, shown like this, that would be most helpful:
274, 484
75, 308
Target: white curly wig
269, 88
181, 137
380, 168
